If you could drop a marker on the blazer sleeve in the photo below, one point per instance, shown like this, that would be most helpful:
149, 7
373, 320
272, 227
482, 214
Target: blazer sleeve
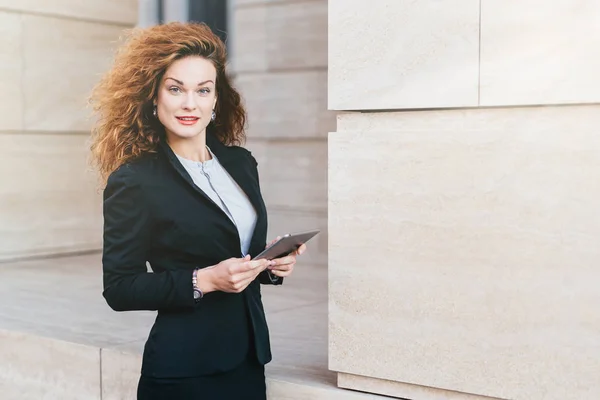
127, 238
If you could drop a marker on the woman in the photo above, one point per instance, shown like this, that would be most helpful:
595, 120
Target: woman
183, 197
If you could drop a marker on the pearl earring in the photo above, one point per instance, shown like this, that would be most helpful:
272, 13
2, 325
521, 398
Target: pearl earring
213, 116
154, 111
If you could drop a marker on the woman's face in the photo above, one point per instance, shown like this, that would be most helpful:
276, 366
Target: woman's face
187, 97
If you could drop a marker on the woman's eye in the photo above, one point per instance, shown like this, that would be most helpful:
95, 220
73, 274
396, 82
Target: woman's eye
204, 90
174, 89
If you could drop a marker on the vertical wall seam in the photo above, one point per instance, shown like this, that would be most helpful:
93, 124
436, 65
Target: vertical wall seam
479, 61
100, 358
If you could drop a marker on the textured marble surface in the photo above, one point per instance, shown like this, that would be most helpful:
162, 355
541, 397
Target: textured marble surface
55, 93
391, 54
280, 36
11, 72
462, 250
120, 374
290, 104
122, 12
33, 368
49, 201
539, 52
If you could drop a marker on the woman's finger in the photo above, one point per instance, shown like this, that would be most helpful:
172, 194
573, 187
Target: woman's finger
284, 260
283, 268
282, 274
301, 249
273, 241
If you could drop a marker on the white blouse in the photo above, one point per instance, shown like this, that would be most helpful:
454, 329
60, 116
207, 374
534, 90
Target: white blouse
215, 181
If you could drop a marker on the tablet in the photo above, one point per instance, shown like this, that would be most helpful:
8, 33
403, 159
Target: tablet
286, 245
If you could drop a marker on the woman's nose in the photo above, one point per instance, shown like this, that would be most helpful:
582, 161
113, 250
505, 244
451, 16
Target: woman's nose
189, 102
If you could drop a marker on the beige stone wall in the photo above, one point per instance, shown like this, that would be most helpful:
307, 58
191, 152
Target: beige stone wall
462, 256
280, 60
53, 53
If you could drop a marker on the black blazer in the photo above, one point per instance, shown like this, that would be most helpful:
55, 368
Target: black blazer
153, 212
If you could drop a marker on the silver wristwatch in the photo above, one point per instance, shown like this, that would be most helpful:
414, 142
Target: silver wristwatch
198, 295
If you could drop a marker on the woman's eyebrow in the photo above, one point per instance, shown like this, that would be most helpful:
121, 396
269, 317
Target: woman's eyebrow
181, 83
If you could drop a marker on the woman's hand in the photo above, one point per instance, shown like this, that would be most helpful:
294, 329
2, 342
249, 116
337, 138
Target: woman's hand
284, 266
232, 275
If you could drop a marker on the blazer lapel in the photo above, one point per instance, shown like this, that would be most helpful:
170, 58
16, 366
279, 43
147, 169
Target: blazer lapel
233, 164
238, 168
186, 176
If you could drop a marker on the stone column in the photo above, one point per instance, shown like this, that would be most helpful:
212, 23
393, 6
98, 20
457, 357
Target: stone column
464, 178
175, 10
148, 13
279, 54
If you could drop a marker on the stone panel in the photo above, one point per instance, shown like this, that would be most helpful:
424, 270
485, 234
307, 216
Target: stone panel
120, 374
293, 175
297, 35
287, 104
298, 335
539, 52
462, 253
49, 201
115, 11
249, 47
11, 74
281, 36
417, 54
296, 177
34, 368
56, 92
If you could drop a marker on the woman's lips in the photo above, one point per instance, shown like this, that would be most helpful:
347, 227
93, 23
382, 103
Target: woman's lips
187, 120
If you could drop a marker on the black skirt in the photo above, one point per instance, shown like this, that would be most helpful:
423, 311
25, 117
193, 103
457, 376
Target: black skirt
246, 382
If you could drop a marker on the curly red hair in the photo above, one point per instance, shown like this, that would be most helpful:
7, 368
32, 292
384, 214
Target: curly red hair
123, 99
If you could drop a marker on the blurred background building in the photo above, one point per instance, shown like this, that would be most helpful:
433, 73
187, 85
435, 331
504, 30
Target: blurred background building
52, 54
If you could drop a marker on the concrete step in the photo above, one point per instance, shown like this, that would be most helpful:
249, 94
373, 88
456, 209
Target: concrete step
59, 339
34, 367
